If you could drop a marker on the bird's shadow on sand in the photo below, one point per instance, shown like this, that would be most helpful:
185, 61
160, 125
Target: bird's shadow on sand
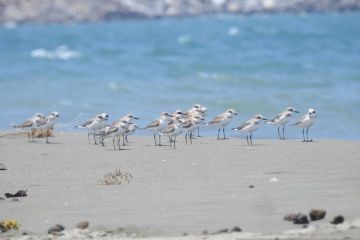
46, 143
117, 150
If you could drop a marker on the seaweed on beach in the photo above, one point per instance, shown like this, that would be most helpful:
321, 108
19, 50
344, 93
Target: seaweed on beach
40, 133
8, 225
116, 178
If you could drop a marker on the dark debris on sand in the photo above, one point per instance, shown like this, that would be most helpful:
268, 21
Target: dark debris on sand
317, 214
20, 193
82, 225
338, 220
56, 229
297, 218
2, 167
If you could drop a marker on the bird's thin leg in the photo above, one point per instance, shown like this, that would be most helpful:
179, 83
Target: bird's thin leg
283, 132
47, 137
89, 137
155, 139
28, 135
198, 128
304, 135
191, 137
224, 133
218, 134
94, 137
123, 135
247, 139
102, 142
307, 134
126, 139
118, 138
186, 134
114, 142
159, 140
279, 133
251, 138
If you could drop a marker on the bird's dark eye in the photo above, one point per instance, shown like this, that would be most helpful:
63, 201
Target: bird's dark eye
313, 111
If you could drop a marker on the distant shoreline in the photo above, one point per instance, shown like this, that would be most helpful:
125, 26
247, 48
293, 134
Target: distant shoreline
68, 11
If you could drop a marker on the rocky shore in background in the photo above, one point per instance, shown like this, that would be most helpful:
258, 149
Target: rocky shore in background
64, 11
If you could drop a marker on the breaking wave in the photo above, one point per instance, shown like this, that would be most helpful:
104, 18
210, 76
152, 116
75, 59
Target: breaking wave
61, 52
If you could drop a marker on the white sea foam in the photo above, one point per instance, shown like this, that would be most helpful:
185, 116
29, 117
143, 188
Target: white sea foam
61, 52
184, 39
233, 31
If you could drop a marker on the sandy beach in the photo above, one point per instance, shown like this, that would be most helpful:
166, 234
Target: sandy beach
203, 186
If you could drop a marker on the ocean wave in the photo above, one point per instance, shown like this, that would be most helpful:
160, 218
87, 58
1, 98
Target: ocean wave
61, 52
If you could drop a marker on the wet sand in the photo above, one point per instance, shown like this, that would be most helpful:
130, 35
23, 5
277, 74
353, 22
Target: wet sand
203, 186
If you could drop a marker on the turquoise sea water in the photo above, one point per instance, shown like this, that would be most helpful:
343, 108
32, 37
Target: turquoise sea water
255, 64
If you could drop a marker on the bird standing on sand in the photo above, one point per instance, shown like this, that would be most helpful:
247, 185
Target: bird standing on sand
190, 124
129, 118
250, 126
114, 131
222, 120
172, 131
95, 124
199, 110
30, 124
306, 122
48, 123
282, 119
131, 130
158, 125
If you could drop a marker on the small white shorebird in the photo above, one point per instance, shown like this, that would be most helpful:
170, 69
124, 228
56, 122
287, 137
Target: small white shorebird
129, 118
203, 113
196, 109
250, 126
48, 123
190, 125
131, 130
282, 119
95, 124
172, 131
30, 124
158, 125
114, 131
306, 122
222, 120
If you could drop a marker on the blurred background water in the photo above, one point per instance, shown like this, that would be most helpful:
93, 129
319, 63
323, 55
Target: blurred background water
255, 64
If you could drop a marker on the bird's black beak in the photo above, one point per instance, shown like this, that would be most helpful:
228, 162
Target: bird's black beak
296, 111
136, 118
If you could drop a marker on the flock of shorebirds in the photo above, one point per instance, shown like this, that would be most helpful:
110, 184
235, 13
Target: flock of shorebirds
170, 125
